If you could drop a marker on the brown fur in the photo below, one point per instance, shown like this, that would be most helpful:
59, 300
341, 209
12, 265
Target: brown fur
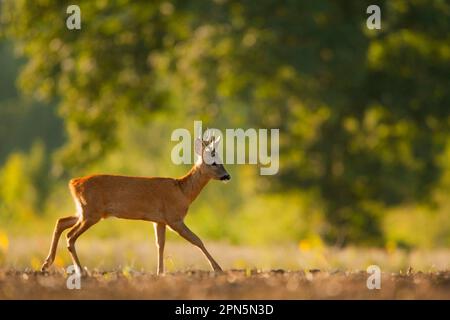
164, 201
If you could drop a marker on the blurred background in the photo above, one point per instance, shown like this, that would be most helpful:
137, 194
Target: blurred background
364, 118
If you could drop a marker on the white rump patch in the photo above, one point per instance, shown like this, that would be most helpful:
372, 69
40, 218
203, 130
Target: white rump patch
78, 207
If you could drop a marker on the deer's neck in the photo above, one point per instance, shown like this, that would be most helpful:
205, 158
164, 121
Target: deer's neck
193, 182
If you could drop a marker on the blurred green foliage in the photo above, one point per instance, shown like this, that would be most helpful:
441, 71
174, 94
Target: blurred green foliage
363, 114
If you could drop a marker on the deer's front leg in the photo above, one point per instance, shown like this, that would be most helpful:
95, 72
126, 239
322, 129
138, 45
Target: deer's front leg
186, 233
160, 232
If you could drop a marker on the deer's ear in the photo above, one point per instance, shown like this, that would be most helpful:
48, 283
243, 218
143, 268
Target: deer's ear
198, 146
216, 140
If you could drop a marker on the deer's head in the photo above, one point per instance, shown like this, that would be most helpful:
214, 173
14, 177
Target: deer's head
210, 160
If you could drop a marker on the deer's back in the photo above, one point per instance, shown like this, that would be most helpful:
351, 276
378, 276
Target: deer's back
148, 198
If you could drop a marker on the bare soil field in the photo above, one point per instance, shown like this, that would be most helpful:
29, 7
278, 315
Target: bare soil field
125, 269
232, 284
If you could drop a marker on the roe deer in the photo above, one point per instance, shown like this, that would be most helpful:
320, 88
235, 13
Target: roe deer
164, 201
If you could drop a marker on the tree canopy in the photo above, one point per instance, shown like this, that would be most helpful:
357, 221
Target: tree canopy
363, 114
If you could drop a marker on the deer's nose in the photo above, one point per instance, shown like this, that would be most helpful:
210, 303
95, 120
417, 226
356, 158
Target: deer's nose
225, 177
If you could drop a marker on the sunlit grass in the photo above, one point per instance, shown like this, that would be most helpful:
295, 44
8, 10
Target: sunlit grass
128, 255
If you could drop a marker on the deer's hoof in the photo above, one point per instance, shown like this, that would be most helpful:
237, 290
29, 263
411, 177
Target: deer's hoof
45, 266
85, 273
218, 269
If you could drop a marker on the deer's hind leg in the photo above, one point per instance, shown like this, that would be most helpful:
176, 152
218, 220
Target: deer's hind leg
61, 225
73, 235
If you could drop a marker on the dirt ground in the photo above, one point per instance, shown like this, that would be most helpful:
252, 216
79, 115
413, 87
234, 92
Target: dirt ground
232, 284
125, 269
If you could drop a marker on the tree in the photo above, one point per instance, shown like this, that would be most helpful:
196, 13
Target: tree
363, 114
